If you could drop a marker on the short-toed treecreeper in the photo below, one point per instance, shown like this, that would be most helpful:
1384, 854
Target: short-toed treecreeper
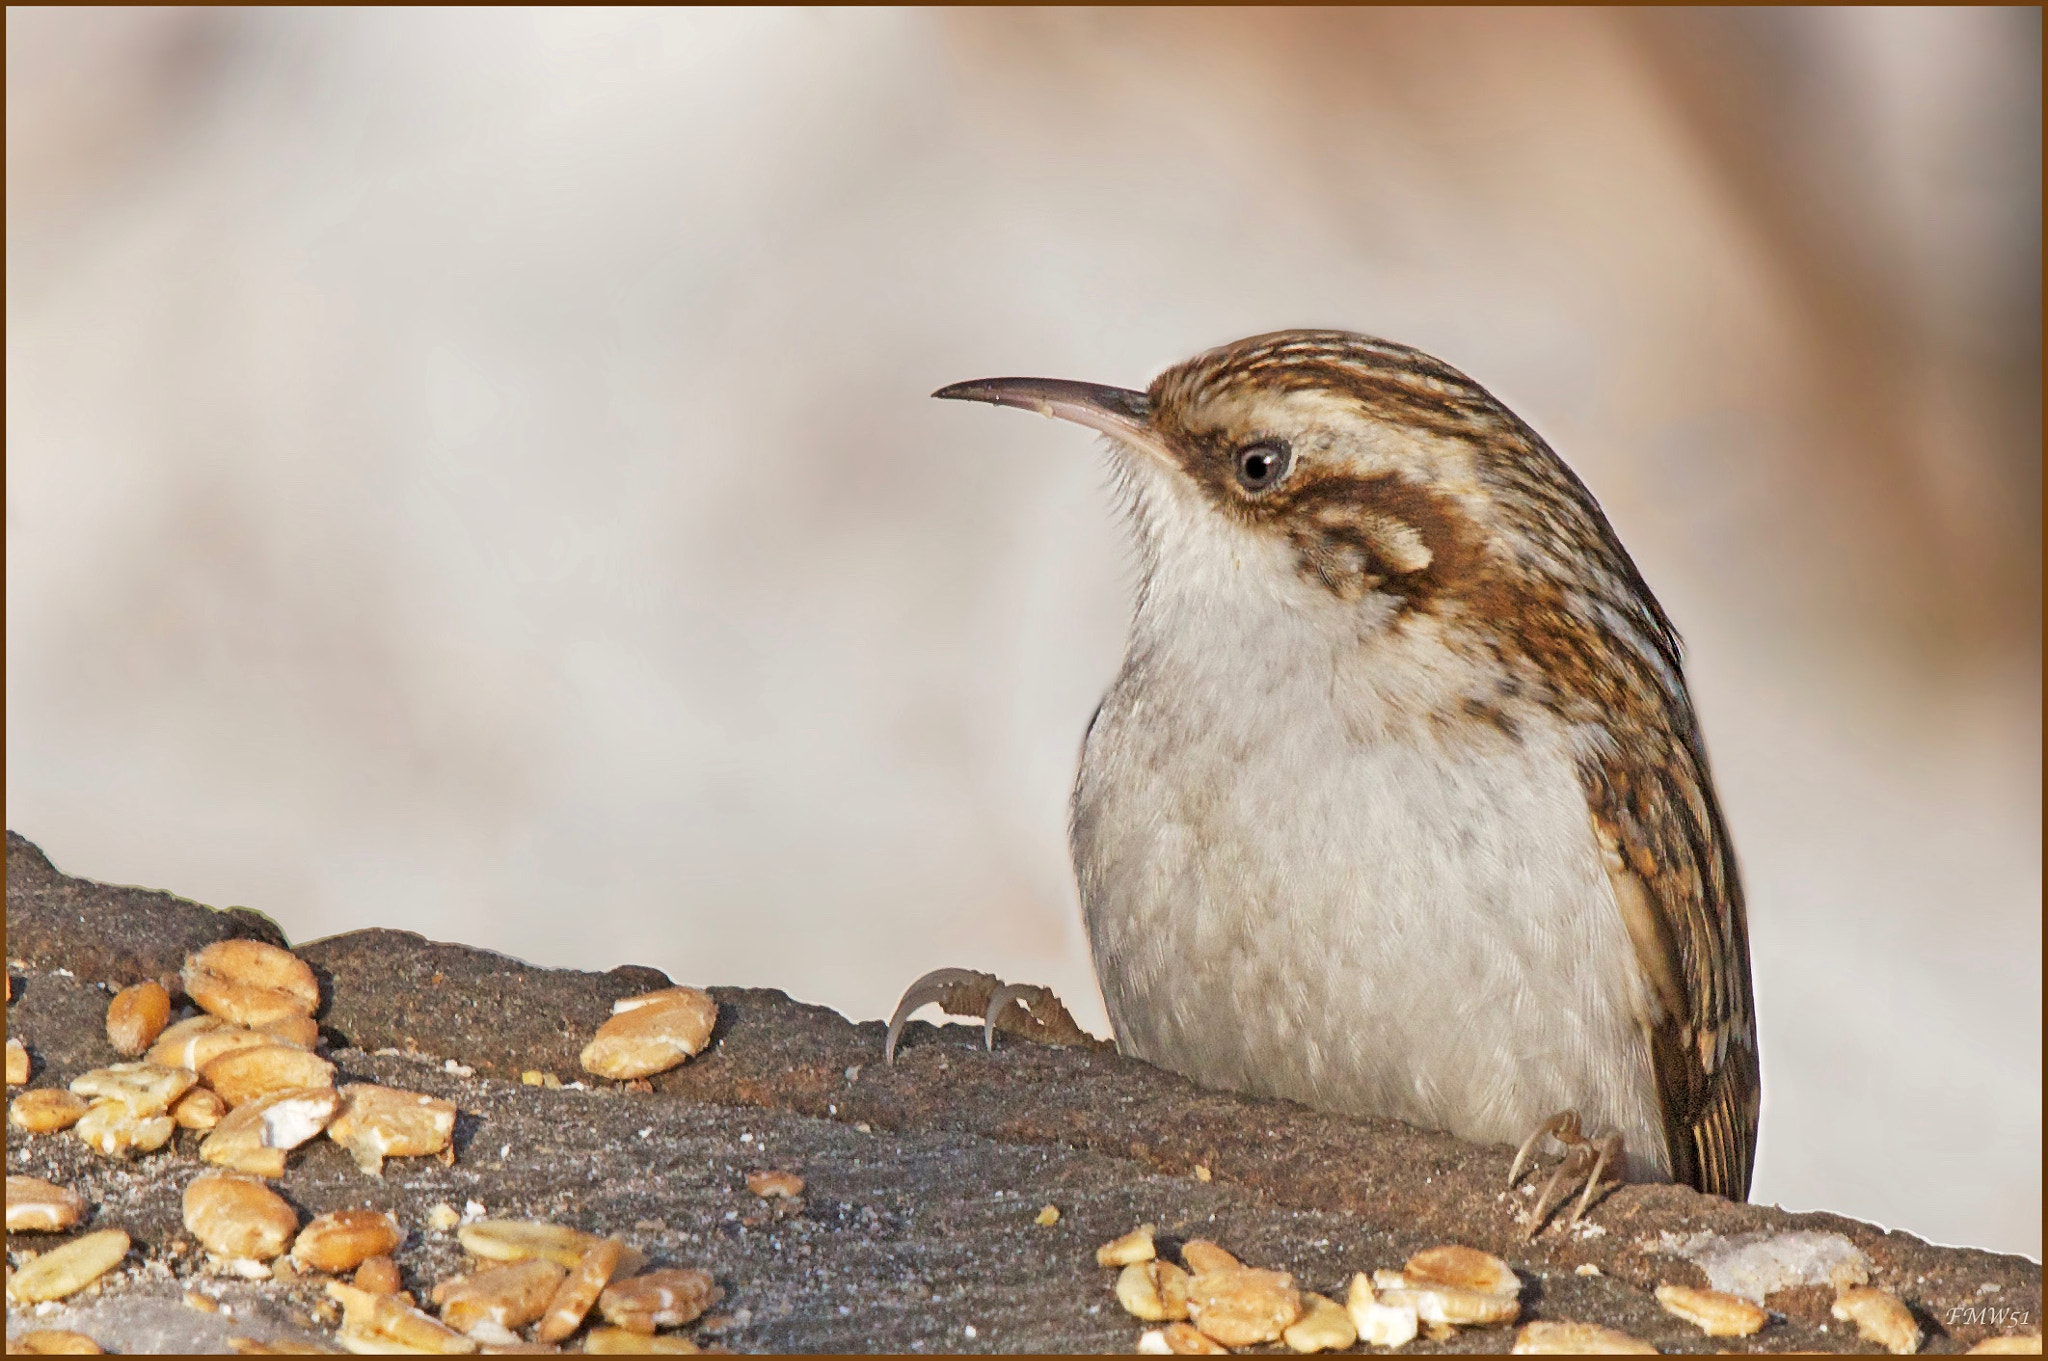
1398, 805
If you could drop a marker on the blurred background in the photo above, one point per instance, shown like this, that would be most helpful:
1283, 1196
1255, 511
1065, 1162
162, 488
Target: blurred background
472, 472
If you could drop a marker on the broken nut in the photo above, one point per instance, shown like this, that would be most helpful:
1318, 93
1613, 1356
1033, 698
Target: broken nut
376, 1123
1202, 1255
1242, 1306
1716, 1313
388, 1323
1179, 1339
1323, 1327
378, 1275
136, 1016
200, 1108
238, 1217
141, 1088
517, 1240
250, 982
1379, 1324
579, 1290
509, 1296
1547, 1337
651, 1033
787, 1185
1463, 1269
1135, 1246
17, 1062
39, 1206
55, 1342
626, 1342
68, 1269
243, 1075
46, 1110
1153, 1291
659, 1299
195, 1043
342, 1240
1879, 1317
109, 1127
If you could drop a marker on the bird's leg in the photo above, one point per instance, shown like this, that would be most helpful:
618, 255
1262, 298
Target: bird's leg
1593, 1158
1019, 1008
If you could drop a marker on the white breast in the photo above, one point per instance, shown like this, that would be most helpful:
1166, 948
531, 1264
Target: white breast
1306, 873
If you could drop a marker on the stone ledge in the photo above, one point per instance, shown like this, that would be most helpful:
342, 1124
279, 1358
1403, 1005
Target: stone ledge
919, 1220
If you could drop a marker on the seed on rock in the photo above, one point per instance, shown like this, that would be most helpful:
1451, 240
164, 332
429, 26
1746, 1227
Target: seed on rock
244, 1075
46, 1110
109, 1127
509, 1296
388, 1323
194, 1044
651, 1033
579, 1290
1183, 1339
68, 1269
517, 1240
200, 1108
38, 1206
300, 1031
1202, 1255
55, 1342
1463, 1269
1715, 1312
787, 1185
1557, 1337
1242, 1306
1137, 1290
377, 1275
136, 1016
1379, 1324
342, 1240
626, 1342
17, 1063
659, 1299
1879, 1317
238, 1217
1324, 1326
1449, 1306
141, 1088
249, 982
376, 1123
1135, 1246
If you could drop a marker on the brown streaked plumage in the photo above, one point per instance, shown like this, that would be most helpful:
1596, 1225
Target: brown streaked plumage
1398, 700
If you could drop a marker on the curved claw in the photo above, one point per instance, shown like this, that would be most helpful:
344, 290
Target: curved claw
1609, 1158
930, 988
1564, 1125
1006, 994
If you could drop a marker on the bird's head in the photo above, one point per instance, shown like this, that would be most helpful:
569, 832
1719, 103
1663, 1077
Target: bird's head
1361, 467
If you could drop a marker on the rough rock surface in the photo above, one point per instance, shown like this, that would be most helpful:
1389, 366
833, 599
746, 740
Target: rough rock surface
918, 1229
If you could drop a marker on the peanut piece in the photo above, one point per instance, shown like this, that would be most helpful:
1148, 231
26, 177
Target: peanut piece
249, 982
1714, 1312
68, 1269
136, 1016
46, 1110
35, 1205
651, 1033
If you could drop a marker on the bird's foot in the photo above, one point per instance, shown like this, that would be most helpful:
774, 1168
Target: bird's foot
1022, 1009
1591, 1158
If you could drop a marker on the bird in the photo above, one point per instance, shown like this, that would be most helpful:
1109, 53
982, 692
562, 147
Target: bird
1398, 804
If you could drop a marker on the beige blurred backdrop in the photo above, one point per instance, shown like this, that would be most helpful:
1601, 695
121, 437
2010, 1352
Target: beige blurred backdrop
471, 471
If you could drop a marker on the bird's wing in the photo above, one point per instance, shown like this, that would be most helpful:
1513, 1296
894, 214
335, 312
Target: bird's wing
1668, 856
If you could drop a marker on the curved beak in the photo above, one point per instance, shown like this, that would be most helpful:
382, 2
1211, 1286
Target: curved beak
1117, 412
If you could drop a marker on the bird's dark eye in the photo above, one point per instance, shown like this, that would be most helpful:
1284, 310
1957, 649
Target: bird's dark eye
1262, 464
